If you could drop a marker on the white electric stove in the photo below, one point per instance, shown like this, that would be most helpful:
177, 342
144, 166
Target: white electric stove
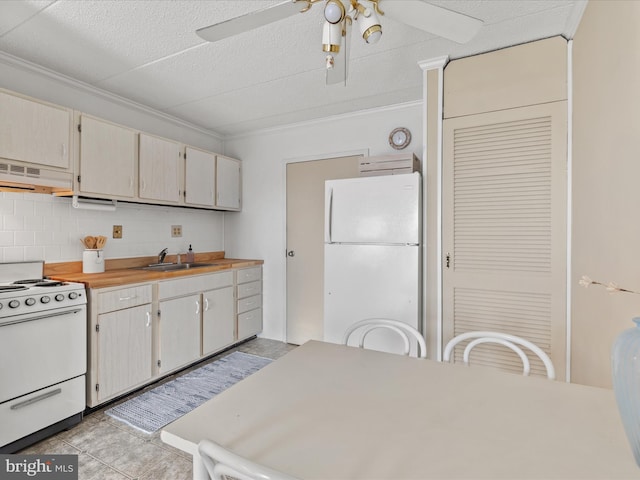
43, 354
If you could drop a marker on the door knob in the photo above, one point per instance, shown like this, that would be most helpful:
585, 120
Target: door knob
291, 253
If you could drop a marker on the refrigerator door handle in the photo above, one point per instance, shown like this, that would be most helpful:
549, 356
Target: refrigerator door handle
330, 219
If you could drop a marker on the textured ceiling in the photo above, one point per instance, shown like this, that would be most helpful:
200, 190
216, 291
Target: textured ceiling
147, 51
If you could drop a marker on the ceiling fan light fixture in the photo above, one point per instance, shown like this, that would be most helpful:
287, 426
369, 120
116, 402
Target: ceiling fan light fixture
331, 37
372, 34
334, 11
369, 25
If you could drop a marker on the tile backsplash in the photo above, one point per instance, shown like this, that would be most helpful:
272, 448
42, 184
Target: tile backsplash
43, 227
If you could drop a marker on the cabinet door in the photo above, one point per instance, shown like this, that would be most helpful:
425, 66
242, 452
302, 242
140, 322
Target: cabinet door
228, 186
199, 177
107, 158
179, 332
217, 320
159, 168
34, 132
124, 350
504, 230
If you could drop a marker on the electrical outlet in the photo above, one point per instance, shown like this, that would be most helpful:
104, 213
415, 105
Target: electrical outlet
117, 231
176, 230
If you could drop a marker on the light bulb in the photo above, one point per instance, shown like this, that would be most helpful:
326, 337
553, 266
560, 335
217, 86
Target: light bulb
374, 35
369, 26
334, 11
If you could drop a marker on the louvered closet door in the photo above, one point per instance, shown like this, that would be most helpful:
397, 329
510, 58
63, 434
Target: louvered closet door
504, 231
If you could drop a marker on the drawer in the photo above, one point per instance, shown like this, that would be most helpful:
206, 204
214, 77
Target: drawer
249, 303
245, 275
194, 284
124, 298
249, 323
249, 289
28, 414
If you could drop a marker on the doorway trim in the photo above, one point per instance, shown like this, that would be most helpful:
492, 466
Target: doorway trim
437, 63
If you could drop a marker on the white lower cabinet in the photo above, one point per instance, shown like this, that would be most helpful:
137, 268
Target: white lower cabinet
141, 332
120, 342
196, 318
249, 301
217, 320
179, 332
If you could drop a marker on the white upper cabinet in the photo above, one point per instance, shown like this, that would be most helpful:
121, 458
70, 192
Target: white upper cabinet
200, 178
228, 183
159, 169
34, 132
108, 155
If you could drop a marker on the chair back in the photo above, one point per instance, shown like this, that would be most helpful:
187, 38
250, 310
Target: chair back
512, 342
404, 330
223, 464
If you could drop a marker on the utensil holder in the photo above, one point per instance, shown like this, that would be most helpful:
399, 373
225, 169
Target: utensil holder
92, 261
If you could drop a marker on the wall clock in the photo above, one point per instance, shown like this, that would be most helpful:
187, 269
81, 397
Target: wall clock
399, 138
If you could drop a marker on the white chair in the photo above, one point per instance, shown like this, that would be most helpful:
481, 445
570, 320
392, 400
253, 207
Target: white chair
223, 464
406, 331
511, 341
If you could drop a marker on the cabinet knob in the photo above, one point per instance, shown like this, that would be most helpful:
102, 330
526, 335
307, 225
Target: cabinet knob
291, 253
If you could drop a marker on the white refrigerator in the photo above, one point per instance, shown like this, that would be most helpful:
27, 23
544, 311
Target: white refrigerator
372, 255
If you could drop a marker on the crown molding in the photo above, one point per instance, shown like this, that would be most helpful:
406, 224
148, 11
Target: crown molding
30, 67
323, 120
573, 21
434, 63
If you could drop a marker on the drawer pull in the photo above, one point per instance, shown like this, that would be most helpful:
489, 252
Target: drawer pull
206, 304
33, 400
148, 319
122, 299
197, 307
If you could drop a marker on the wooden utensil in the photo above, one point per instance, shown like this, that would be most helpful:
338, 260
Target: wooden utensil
90, 242
100, 242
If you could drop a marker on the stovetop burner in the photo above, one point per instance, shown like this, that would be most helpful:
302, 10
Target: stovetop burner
11, 288
39, 282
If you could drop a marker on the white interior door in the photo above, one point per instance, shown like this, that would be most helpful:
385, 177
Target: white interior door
305, 247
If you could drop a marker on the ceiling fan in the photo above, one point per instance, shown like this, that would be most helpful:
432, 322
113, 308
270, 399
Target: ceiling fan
338, 18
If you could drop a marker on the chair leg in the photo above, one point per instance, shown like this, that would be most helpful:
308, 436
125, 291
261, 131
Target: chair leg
199, 470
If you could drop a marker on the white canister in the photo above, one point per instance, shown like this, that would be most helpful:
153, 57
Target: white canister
92, 261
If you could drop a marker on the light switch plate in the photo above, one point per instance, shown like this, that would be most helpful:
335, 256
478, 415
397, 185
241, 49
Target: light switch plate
117, 231
176, 230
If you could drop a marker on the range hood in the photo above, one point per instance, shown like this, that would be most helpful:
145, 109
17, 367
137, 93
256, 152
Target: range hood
18, 177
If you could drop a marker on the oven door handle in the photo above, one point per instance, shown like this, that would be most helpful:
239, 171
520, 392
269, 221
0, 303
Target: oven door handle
39, 398
41, 317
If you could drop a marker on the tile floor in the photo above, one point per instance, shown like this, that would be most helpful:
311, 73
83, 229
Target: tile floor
111, 450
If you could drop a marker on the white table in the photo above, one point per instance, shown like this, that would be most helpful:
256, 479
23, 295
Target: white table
326, 411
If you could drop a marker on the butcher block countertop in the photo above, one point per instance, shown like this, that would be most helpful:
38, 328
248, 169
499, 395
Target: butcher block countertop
124, 271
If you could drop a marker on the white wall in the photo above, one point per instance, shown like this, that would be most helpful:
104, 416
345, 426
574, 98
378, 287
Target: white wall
42, 227
259, 230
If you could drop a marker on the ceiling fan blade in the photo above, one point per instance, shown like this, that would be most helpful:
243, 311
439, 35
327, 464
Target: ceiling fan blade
340, 70
252, 20
437, 20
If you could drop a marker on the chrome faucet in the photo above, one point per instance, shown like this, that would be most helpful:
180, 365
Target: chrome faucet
162, 254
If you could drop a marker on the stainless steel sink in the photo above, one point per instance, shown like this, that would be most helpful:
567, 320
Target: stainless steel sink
170, 267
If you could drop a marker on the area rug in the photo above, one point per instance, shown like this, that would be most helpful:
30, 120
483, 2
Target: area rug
162, 405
